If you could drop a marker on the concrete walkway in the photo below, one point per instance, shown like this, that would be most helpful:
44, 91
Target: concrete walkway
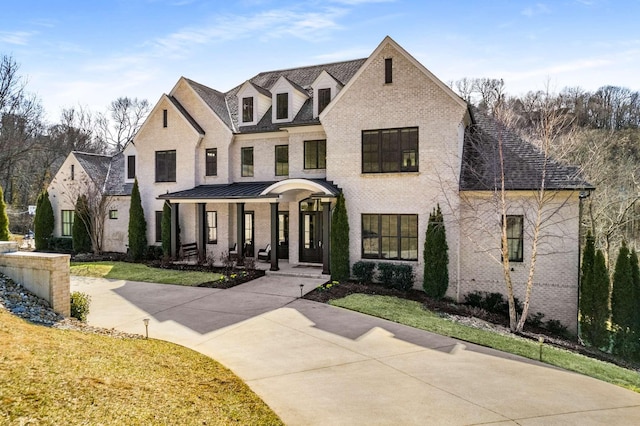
314, 364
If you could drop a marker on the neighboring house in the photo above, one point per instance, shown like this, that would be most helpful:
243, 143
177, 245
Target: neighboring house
263, 163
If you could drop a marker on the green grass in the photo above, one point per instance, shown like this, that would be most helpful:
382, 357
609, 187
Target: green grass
61, 377
140, 272
415, 315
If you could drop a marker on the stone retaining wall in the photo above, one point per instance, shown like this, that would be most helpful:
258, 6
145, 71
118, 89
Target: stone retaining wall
44, 274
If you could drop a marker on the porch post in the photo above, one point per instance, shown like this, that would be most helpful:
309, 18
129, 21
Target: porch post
174, 230
326, 236
240, 232
202, 235
274, 236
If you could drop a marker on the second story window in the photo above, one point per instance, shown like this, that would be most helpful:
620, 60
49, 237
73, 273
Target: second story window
166, 166
211, 162
324, 97
247, 161
247, 110
282, 160
315, 154
282, 106
390, 150
131, 166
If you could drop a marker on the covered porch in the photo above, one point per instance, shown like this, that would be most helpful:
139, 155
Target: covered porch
291, 218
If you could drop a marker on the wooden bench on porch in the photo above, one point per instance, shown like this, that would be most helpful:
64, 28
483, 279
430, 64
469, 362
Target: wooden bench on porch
189, 250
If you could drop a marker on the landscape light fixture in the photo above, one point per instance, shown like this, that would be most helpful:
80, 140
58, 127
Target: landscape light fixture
301, 285
541, 341
146, 327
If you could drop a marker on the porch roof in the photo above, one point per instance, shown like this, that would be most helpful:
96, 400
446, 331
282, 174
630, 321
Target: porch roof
237, 191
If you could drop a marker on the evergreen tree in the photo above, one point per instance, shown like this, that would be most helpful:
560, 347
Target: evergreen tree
137, 226
43, 222
339, 261
587, 287
436, 257
166, 229
4, 219
81, 236
622, 304
599, 315
635, 279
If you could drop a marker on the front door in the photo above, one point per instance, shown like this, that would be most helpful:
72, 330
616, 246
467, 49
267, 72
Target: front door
310, 231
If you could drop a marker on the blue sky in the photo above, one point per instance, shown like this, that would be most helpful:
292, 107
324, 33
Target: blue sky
91, 52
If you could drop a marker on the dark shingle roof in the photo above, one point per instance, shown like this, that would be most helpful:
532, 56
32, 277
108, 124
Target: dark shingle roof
107, 172
96, 166
215, 100
237, 190
523, 162
186, 115
115, 184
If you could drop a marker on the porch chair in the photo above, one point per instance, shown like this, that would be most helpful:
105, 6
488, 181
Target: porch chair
233, 252
265, 253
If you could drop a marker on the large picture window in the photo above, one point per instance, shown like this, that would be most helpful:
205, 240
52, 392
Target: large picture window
247, 110
247, 161
67, 222
390, 236
211, 162
282, 106
390, 150
515, 238
282, 160
212, 227
166, 166
315, 154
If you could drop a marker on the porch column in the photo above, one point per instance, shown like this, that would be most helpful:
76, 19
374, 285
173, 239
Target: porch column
240, 232
202, 235
174, 230
274, 236
326, 236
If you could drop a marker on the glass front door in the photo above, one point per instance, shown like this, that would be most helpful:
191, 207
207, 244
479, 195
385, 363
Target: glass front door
310, 231
248, 234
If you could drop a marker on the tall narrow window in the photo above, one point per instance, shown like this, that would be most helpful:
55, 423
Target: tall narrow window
131, 166
166, 166
315, 154
515, 238
212, 227
247, 110
282, 160
247, 161
211, 162
388, 70
164, 118
158, 227
67, 222
282, 106
324, 97
73, 172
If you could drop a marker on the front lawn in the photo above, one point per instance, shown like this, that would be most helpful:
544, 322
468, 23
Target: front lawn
140, 272
59, 377
413, 314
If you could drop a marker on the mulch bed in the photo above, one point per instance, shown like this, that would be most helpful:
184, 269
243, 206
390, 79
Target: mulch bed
233, 278
449, 307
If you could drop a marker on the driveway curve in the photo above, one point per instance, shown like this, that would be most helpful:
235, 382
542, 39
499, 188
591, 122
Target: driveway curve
315, 364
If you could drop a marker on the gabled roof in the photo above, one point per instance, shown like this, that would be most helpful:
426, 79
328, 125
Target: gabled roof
186, 114
523, 162
214, 99
106, 172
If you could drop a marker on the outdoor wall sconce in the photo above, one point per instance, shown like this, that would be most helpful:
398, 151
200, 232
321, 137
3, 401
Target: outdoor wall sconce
146, 327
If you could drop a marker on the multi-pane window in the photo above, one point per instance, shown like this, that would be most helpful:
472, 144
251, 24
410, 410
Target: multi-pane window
282, 160
282, 106
166, 166
247, 110
324, 97
390, 236
390, 150
515, 238
131, 166
211, 162
388, 70
113, 214
247, 161
212, 227
158, 226
67, 222
315, 154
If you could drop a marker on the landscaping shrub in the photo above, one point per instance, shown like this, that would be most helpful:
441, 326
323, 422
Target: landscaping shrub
363, 271
623, 305
339, 257
166, 229
137, 226
43, 221
385, 273
80, 305
80, 235
61, 244
491, 302
396, 275
154, 253
436, 259
535, 320
4, 219
556, 327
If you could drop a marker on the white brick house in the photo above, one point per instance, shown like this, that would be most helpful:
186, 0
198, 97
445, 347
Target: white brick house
262, 164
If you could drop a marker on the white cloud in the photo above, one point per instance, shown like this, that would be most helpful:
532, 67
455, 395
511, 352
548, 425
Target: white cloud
537, 9
16, 37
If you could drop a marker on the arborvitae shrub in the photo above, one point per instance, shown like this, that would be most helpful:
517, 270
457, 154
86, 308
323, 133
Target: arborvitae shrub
166, 229
4, 219
137, 226
43, 222
339, 261
436, 257
81, 226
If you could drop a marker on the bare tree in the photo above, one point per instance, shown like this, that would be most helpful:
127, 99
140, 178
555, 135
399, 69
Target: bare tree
123, 119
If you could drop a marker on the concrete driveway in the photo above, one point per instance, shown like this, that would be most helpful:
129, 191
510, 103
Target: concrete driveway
314, 364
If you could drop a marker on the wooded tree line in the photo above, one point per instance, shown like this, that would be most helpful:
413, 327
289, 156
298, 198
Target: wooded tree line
31, 150
601, 136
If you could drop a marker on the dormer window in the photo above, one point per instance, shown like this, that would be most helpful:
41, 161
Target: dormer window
247, 110
282, 106
324, 97
131, 167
